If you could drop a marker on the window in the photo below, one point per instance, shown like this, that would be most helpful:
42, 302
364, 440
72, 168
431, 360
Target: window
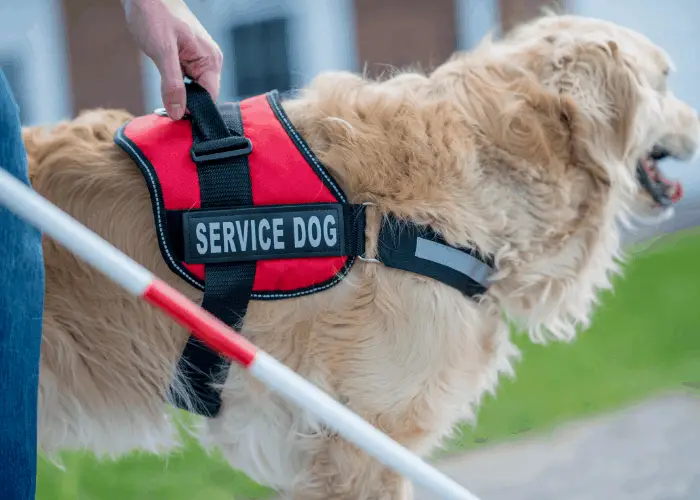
13, 70
260, 55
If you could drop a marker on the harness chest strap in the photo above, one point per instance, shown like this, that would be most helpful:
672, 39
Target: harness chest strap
224, 180
244, 210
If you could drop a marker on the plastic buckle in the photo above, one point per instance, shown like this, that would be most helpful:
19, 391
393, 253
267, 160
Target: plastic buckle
231, 147
162, 112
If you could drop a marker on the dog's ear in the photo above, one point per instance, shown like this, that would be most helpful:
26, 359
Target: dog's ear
595, 76
600, 98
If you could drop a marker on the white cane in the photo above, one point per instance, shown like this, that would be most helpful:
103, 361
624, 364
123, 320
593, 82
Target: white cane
52, 221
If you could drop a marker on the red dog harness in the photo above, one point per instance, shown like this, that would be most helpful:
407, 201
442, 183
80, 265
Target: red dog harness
244, 210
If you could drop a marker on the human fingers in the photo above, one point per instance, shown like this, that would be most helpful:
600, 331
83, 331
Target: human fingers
172, 85
202, 61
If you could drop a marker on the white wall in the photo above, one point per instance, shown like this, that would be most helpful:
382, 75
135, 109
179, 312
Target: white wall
475, 20
322, 37
33, 30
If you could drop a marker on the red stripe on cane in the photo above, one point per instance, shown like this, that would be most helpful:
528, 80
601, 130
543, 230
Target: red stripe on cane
202, 324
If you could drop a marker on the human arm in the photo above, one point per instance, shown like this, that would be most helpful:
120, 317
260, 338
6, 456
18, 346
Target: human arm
169, 33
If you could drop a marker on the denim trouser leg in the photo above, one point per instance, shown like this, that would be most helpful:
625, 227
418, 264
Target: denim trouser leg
21, 308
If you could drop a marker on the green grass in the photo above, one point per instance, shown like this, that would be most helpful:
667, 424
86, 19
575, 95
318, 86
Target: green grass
644, 340
188, 475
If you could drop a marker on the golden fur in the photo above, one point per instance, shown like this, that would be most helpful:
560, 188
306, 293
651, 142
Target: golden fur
524, 148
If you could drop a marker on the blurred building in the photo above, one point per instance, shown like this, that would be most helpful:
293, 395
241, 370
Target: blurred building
65, 55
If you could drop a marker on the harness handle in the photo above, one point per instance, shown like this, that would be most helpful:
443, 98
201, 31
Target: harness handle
204, 113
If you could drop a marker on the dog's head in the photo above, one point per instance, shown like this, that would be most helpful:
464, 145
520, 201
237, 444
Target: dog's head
572, 115
617, 80
533, 149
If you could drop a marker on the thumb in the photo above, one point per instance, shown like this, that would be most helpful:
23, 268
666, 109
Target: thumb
172, 85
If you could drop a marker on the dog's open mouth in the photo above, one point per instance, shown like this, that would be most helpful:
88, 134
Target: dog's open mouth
664, 192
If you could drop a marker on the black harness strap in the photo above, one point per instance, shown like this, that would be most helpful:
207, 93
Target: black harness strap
420, 250
220, 150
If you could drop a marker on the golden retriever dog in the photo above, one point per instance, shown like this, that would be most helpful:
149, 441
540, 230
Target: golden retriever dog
527, 148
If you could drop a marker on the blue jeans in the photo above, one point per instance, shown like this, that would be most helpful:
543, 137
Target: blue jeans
21, 309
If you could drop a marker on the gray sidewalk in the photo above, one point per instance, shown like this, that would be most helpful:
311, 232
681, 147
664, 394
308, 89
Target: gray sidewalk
648, 452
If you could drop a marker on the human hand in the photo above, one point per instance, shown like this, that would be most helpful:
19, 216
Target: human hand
168, 33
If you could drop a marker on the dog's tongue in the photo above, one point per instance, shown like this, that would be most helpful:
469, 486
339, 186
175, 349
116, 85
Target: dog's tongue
677, 191
675, 187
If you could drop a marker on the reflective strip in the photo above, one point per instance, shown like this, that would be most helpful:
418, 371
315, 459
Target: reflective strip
455, 259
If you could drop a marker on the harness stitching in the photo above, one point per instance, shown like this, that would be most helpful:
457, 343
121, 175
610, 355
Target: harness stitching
159, 221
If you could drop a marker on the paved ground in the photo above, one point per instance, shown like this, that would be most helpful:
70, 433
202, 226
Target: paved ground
648, 452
